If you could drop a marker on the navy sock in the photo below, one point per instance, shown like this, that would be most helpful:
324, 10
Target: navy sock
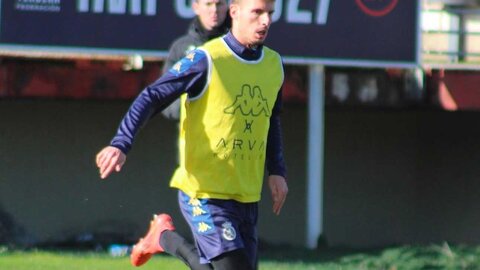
175, 245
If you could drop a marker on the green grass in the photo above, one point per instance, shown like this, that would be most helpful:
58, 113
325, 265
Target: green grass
394, 258
47, 260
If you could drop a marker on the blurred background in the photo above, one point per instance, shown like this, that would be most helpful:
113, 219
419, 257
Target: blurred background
392, 87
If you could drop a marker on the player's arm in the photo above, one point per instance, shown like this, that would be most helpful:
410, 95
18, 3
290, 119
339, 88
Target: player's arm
176, 52
187, 76
274, 159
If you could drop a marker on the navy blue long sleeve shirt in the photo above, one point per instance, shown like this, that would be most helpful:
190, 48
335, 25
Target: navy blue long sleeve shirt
192, 81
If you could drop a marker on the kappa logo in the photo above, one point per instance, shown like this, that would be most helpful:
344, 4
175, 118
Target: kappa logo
190, 56
184, 64
228, 231
249, 102
177, 67
197, 211
203, 227
194, 202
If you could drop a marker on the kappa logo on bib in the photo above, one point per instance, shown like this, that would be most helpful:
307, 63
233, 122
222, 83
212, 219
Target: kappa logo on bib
250, 102
229, 232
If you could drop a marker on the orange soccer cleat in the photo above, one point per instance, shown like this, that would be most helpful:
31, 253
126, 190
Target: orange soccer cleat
150, 244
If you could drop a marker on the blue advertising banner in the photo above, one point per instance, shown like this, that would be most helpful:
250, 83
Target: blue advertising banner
343, 31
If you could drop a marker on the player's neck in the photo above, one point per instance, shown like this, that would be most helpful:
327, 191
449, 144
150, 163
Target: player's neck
243, 42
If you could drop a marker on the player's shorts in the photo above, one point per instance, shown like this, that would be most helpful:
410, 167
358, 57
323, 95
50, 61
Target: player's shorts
220, 226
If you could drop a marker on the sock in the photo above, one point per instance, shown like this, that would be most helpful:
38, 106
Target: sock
175, 245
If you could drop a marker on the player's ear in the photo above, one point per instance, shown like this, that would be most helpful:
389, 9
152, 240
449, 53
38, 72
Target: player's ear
233, 10
195, 7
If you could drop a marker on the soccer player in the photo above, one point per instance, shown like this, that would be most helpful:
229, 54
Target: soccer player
210, 22
229, 130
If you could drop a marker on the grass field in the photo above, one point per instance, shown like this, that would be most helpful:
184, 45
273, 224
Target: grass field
395, 258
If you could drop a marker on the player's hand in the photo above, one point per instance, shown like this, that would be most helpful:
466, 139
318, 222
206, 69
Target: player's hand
110, 159
278, 187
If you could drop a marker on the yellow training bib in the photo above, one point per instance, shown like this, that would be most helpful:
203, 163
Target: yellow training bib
223, 132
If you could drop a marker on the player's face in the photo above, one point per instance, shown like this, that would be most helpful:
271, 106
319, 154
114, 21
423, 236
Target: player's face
251, 20
211, 13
